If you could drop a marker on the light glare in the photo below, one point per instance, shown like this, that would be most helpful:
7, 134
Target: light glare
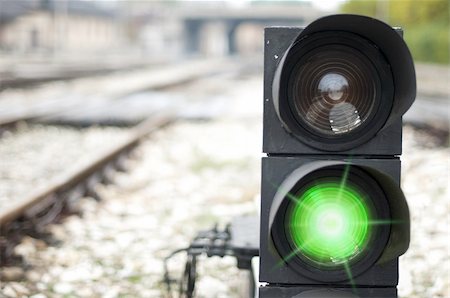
330, 223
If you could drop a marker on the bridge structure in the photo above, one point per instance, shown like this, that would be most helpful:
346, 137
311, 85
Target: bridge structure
195, 19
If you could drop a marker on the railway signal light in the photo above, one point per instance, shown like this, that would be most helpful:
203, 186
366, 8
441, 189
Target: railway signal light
333, 217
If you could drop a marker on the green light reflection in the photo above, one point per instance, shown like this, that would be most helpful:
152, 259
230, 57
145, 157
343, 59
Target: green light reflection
329, 223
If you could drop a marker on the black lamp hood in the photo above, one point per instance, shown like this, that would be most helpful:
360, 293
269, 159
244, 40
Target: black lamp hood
389, 42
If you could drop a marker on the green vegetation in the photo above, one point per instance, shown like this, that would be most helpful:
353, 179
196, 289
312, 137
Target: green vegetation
425, 23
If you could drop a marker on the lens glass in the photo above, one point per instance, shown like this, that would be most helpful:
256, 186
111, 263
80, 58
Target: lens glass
329, 223
333, 90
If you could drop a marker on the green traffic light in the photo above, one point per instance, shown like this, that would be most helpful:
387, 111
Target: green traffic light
330, 223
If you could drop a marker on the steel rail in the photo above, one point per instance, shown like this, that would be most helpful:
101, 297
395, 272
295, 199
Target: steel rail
44, 71
78, 176
163, 77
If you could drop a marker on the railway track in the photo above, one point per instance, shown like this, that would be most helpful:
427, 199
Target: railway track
31, 213
116, 235
107, 93
22, 73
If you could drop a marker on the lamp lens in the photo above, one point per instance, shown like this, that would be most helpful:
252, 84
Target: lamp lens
333, 90
329, 223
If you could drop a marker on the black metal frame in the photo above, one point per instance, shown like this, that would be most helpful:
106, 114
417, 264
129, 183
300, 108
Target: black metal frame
378, 239
277, 170
213, 242
294, 151
277, 139
314, 292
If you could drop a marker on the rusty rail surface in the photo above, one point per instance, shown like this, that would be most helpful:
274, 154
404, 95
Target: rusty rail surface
79, 175
33, 212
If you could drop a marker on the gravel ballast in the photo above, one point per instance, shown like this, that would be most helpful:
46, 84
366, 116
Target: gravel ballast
188, 177
34, 155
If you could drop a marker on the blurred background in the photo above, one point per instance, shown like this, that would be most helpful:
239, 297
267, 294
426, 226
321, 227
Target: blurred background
79, 77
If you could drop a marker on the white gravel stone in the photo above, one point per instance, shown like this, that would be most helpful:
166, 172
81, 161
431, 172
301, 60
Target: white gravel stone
63, 288
8, 291
38, 296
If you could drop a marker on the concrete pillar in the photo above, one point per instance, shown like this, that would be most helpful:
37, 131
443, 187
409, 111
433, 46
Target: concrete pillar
232, 48
192, 36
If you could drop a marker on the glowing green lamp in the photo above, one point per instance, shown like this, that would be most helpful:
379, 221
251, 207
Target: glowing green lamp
329, 223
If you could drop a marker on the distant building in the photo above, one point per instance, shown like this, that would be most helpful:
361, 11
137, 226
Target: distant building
147, 28
57, 26
212, 28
